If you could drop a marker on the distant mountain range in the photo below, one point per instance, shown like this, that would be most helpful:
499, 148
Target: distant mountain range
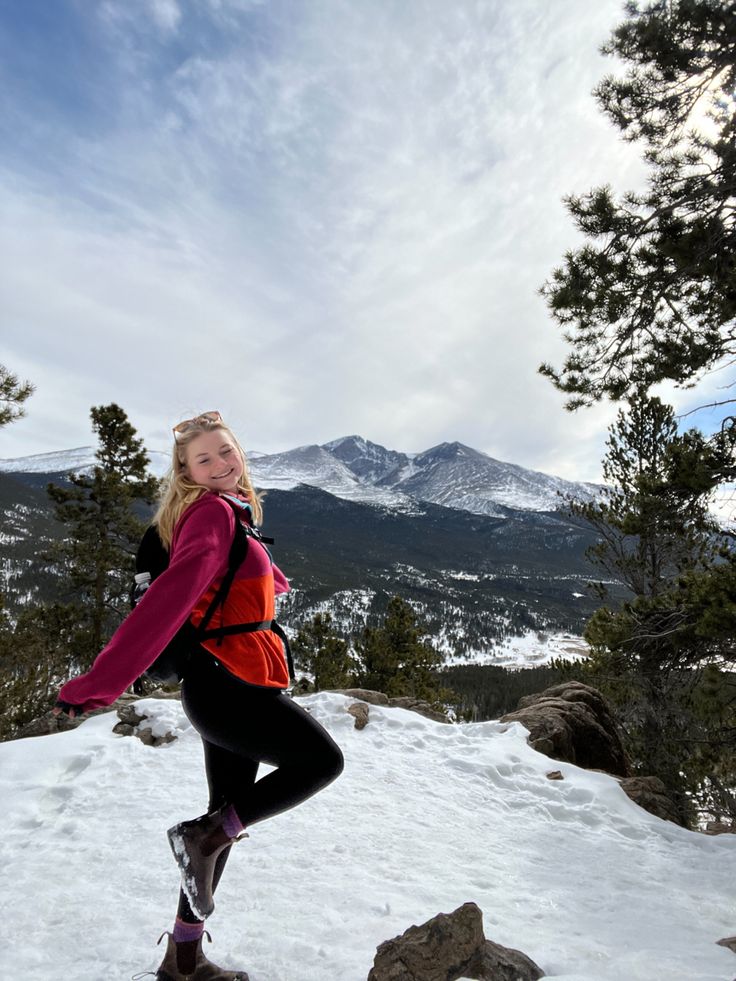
480, 548
356, 469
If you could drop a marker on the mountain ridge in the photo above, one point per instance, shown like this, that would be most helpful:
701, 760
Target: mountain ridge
450, 473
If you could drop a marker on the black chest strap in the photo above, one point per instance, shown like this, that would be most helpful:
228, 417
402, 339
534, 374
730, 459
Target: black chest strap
218, 633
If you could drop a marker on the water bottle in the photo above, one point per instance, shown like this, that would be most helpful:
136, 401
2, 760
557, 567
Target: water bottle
142, 582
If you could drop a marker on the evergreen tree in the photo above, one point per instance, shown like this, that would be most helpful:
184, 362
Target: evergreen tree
652, 517
651, 295
38, 652
657, 537
396, 660
325, 655
13, 393
96, 560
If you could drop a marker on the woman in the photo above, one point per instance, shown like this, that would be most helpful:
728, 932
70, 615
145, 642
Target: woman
233, 689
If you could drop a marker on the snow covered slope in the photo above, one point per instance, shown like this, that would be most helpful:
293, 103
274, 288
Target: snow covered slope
79, 459
316, 466
461, 477
425, 817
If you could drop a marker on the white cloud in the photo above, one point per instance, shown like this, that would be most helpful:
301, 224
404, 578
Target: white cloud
166, 14
120, 15
336, 221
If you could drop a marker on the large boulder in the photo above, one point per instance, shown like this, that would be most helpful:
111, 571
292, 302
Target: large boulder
572, 722
448, 947
651, 794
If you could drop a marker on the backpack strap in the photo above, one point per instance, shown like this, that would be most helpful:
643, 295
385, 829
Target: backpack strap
251, 628
236, 557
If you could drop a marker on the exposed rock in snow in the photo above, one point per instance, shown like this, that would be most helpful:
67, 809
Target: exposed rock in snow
571, 721
449, 947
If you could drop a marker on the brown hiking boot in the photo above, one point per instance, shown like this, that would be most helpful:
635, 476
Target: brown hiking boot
196, 845
195, 964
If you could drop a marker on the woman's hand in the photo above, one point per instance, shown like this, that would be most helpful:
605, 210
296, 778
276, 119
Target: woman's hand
67, 708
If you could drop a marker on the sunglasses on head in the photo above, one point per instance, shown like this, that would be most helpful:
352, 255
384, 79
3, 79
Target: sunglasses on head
182, 427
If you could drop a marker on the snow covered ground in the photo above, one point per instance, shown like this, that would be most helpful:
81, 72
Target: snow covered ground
425, 817
528, 650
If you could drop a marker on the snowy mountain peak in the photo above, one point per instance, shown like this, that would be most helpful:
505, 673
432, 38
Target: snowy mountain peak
57, 461
368, 461
449, 451
450, 473
78, 460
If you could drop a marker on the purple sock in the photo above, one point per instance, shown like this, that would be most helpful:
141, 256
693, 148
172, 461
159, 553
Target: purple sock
184, 932
231, 823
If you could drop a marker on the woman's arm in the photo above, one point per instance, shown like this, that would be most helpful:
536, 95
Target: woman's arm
202, 545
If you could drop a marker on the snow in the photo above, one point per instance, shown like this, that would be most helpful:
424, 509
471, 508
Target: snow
450, 474
79, 460
425, 817
528, 650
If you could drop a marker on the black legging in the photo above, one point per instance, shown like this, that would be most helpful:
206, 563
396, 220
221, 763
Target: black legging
241, 726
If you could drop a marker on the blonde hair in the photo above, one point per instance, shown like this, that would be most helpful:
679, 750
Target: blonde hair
179, 491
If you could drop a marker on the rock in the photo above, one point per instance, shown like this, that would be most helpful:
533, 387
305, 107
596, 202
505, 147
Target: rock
47, 724
572, 722
729, 942
365, 695
131, 719
719, 828
651, 794
129, 715
555, 775
497, 963
417, 705
146, 736
360, 711
448, 947
123, 729
404, 701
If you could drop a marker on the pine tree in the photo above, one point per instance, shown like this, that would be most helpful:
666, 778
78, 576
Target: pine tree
657, 537
95, 562
652, 517
325, 655
395, 659
13, 393
651, 295
38, 652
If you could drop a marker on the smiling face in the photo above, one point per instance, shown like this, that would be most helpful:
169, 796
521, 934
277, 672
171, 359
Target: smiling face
213, 461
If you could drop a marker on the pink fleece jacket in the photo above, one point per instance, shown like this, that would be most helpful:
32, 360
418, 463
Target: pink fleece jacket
199, 554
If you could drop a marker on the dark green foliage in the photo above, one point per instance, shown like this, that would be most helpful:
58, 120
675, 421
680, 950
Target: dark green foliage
527, 565
394, 657
37, 654
651, 295
95, 561
648, 653
13, 393
712, 766
325, 655
487, 691
652, 520
43, 644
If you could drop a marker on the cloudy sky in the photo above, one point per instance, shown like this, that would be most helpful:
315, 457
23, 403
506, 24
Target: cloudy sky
321, 217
